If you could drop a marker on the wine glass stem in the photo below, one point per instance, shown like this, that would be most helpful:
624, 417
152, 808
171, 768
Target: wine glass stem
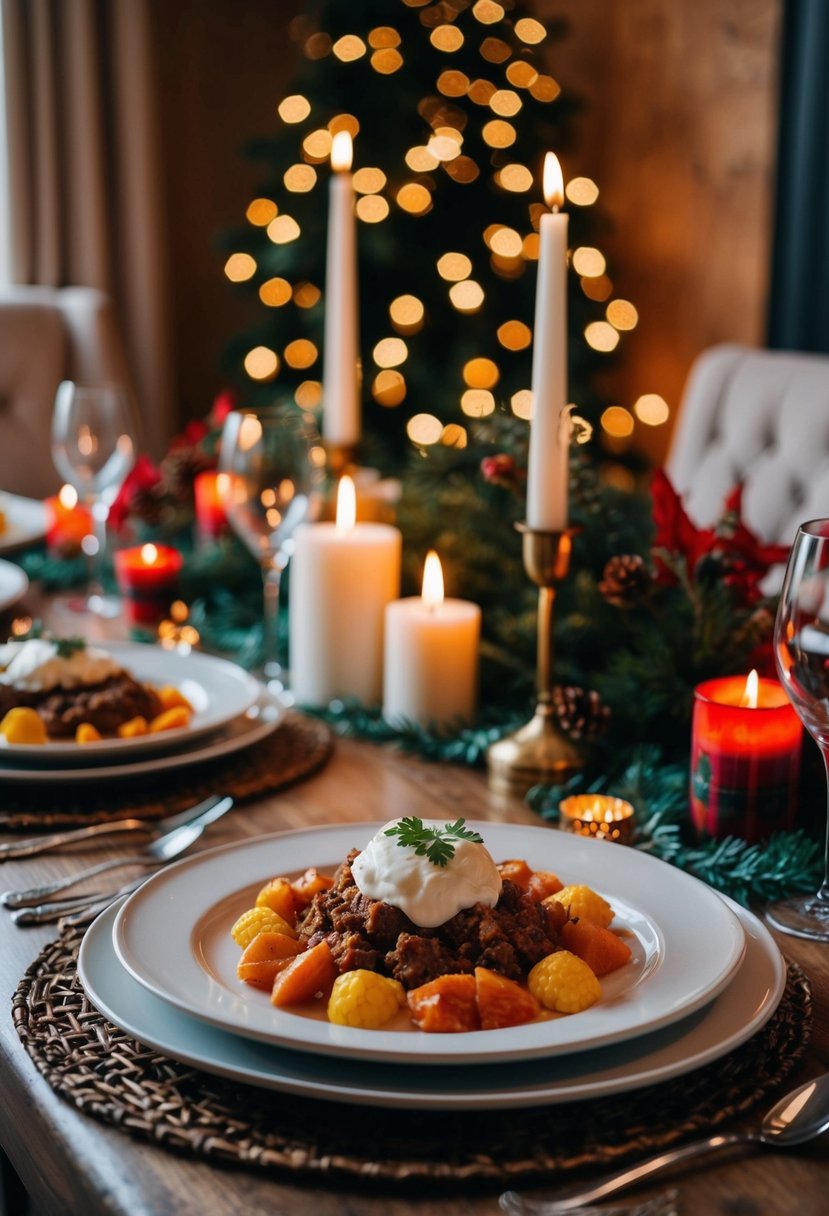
271, 581
823, 893
95, 560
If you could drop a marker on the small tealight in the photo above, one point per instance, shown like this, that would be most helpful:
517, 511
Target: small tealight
598, 815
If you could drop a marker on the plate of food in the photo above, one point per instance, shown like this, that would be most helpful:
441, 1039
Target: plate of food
67, 703
22, 522
731, 1018
484, 919
13, 584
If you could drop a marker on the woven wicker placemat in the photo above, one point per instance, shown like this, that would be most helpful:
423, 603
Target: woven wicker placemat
297, 748
109, 1075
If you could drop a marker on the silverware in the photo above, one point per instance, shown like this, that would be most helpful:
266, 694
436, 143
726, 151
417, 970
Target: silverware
31, 912
74, 911
664, 1204
162, 849
801, 1115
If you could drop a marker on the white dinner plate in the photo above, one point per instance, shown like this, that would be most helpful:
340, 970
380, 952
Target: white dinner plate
13, 584
218, 691
730, 1019
250, 727
25, 522
686, 945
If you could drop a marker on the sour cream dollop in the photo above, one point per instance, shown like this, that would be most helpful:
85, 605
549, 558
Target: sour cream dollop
36, 666
428, 894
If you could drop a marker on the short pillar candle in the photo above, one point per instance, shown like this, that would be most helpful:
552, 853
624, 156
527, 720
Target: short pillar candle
211, 520
147, 577
745, 757
431, 664
67, 522
598, 815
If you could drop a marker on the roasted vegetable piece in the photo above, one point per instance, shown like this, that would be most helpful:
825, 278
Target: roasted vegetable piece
306, 887
170, 719
365, 999
134, 728
502, 1002
278, 895
265, 957
259, 920
564, 983
85, 732
542, 884
585, 903
446, 1005
516, 871
311, 974
602, 950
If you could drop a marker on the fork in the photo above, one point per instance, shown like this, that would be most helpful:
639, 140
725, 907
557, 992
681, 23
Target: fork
664, 1204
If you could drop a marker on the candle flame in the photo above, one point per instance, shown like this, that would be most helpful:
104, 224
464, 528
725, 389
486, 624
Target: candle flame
342, 151
553, 182
432, 580
346, 504
750, 695
68, 497
149, 555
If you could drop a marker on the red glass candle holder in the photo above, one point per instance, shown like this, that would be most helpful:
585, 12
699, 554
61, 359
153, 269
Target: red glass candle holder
211, 520
147, 577
67, 523
745, 760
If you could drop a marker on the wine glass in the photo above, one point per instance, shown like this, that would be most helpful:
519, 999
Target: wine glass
801, 650
270, 463
94, 444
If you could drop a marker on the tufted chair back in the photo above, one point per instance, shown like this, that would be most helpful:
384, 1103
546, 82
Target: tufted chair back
47, 335
759, 417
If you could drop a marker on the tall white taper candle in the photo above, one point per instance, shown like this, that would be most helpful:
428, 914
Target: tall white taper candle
340, 371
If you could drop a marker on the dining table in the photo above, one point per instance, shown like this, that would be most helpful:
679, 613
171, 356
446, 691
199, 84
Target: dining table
63, 1161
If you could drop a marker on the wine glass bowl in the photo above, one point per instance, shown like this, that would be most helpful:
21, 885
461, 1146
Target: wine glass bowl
801, 650
270, 464
94, 446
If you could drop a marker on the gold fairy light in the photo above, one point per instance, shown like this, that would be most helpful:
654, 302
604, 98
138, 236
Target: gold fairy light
617, 421
260, 212
507, 268
452, 83
454, 436
261, 363
651, 409
407, 313
515, 178
300, 353
505, 102
463, 169
521, 74
582, 191
529, 250
369, 180
317, 145
283, 229
299, 179
446, 38
477, 403
344, 122
371, 209
506, 242
601, 336
514, 335
480, 373
348, 48
622, 314
386, 62
495, 50
239, 267
530, 31
389, 388
597, 289
317, 46
521, 403
488, 12
390, 352
308, 394
383, 36
589, 262
414, 198
295, 108
467, 296
454, 266
424, 429
498, 133
544, 88
421, 160
306, 294
481, 92
275, 292
445, 145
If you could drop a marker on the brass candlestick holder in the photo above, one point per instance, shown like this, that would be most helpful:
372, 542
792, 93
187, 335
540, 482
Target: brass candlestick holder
539, 753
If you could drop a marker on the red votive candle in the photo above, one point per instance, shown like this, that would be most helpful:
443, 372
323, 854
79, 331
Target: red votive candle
67, 522
745, 757
147, 577
211, 520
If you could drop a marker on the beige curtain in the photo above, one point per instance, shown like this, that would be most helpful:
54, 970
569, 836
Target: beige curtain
85, 174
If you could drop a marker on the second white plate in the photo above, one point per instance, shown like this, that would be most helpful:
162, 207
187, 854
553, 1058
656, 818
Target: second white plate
687, 945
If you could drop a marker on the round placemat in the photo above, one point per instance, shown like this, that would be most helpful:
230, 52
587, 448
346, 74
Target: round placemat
109, 1075
296, 749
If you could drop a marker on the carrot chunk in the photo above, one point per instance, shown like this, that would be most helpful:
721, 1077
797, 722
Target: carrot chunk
445, 1005
542, 884
267, 954
600, 948
278, 895
306, 887
310, 974
516, 871
502, 1002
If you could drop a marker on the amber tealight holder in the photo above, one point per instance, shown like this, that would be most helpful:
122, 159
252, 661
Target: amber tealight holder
540, 752
599, 816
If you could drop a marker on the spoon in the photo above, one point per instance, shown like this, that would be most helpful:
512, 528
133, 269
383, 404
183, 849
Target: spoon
800, 1116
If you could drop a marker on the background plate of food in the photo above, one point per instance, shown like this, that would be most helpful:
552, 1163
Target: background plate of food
13, 584
22, 522
66, 703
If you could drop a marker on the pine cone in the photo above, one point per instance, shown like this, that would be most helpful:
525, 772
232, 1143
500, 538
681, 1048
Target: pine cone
580, 712
148, 504
625, 579
181, 467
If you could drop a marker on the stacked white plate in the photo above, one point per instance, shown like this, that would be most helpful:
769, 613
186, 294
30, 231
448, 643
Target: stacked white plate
705, 975
232, 711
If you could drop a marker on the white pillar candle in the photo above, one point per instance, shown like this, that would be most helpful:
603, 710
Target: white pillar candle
431, 668
547, 472
343, 574
340, 375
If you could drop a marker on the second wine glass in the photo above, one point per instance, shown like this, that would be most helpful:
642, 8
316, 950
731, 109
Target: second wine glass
271, 462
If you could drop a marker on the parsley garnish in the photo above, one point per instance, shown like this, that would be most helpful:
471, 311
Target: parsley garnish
66, 647
434, 843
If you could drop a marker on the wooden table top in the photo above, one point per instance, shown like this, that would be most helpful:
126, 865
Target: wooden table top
71, 1163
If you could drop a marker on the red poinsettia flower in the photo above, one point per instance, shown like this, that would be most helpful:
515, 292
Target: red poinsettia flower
674, 532
192, 435
223, 403
142, 478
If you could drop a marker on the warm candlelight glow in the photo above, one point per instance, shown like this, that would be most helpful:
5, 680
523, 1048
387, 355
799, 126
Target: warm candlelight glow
342, 151
598, 815
432, 593
346, 504
68, 497
749, 700
553, 182
149, 554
